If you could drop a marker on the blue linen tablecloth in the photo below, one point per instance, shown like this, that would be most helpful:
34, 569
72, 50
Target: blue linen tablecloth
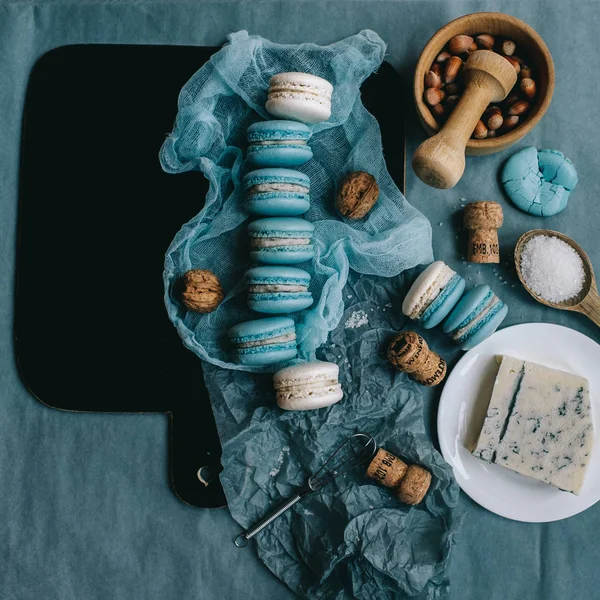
87, 509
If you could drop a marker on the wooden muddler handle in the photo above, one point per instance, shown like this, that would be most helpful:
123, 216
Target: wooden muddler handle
482, 220
440, 160
410, 482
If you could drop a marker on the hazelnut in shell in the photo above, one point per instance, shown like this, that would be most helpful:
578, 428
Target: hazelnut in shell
201, 291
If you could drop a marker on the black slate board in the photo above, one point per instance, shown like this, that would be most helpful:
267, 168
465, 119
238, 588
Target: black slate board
96, 216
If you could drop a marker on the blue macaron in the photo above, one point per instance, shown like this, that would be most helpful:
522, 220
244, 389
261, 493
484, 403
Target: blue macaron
277, 192
278, 289
264, 341
476, 316
278, 144
281, 241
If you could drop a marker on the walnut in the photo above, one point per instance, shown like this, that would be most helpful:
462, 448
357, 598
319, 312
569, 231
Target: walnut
357, 194
202, 291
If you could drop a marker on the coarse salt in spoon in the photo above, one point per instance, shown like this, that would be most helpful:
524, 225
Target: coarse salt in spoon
586, 300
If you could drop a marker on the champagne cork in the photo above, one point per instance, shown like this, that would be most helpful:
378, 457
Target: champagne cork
410, 482
483, 219
409, 353
414, 485
387, 469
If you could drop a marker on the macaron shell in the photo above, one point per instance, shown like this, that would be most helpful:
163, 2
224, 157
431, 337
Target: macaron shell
447, 302
292, 155
261, 329
278, 130
284, 227
278, 204
299, 107
275, 175
280, 302
465, 306
278, 353
420, 286
314, 401
283, 255
486, 330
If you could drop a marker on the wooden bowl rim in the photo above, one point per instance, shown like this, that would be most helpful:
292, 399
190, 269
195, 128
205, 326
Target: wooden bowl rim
508, 139
590, 281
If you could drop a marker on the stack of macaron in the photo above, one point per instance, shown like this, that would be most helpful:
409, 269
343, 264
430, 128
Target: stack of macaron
279, 195
436, 295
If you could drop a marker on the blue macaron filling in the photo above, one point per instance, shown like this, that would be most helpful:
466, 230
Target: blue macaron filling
267, 348
275, 130
275, 176
482, 322
278, 233
258, 337
473, 314
270, 296
441, 298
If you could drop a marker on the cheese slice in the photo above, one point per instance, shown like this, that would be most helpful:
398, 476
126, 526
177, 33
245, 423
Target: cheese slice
539, 424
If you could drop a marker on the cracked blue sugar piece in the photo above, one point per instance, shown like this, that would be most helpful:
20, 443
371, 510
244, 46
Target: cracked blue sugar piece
539, 183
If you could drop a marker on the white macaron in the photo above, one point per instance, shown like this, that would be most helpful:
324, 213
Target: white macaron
307, 386
299, 97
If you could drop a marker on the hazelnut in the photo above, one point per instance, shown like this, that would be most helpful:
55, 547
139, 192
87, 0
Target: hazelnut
442, 57
508, 47
480, 132
357, 194
528, 87
514, 62
510, 121
433, 80
460, 44
526, 72
495, 121
439, 112
453, 66
202, 291
434, 96
518, 108
485, 41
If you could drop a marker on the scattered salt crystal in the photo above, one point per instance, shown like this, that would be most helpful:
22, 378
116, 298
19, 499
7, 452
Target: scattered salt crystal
440, 224
357, 319
552, 268
349, 296
275, 471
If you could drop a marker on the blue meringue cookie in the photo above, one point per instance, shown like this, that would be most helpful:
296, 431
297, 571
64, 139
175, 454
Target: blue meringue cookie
539, 183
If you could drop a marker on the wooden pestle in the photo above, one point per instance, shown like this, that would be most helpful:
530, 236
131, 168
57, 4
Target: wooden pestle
482, 220
410, 482
440, 160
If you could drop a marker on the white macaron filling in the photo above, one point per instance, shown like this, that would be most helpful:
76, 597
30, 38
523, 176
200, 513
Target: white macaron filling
260, 242
288, 337
277, 187
426, 289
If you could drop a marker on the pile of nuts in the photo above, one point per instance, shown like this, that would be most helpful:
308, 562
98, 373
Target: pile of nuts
444, 85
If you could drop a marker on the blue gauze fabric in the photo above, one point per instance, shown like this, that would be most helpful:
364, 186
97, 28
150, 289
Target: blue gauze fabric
216, 107
353, 539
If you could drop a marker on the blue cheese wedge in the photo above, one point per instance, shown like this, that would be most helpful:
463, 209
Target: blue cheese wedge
539, 424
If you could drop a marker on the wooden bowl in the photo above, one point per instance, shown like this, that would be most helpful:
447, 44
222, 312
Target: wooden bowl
501, 25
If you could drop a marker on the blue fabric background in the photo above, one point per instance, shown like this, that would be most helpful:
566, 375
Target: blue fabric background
86, 508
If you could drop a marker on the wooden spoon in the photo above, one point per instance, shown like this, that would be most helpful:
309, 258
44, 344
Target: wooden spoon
440, 160
587, 301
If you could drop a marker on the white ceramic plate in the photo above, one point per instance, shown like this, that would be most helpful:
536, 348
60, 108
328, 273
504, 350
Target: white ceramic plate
464, 403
